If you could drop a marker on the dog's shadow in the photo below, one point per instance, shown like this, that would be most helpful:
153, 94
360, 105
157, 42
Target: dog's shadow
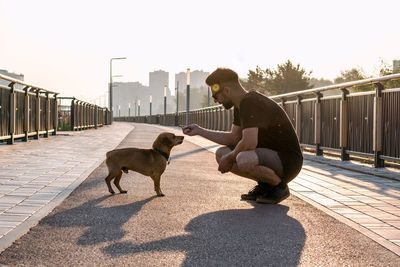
264, 235
105, 223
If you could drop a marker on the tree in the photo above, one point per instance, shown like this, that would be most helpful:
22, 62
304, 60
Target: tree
286, 78
386, 69
353, 74
255, 80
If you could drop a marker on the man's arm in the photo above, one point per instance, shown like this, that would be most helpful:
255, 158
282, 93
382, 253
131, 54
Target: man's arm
223, 138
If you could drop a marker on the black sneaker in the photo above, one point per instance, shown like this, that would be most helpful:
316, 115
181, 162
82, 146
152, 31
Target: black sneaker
257, 191
278, 194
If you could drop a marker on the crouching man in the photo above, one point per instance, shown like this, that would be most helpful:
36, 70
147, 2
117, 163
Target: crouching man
262, 145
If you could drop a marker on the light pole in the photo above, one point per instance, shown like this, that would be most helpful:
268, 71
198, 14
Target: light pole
150, 98
187, 95
177, 103
111, 102
208, 97
119, 111
138, 103
129, 109
165, 103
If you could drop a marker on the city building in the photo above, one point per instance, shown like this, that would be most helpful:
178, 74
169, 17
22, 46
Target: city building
128, 95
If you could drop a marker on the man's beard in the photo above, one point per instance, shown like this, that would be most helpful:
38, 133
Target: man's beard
227, 104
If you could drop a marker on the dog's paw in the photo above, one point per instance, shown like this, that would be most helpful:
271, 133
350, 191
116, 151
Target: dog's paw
112, 192
123, 192
160, 195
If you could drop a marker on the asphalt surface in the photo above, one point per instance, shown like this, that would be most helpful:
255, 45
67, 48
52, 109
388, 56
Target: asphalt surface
200, 222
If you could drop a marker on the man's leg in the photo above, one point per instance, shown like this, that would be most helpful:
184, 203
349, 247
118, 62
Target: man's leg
247, 165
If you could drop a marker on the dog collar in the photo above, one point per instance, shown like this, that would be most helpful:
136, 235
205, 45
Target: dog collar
165, 155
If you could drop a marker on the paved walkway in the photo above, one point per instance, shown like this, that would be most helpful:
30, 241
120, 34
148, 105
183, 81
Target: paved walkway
36, 176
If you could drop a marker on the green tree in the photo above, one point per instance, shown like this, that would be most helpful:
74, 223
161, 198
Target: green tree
286, 78
354, 74
386, 69
255, 80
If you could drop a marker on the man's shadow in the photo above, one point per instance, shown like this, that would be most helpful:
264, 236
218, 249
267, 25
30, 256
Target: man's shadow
105, 223
263, 235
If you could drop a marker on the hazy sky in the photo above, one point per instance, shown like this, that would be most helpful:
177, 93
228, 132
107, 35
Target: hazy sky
66, 46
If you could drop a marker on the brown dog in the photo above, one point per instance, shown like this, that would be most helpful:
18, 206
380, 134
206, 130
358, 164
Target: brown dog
149, 162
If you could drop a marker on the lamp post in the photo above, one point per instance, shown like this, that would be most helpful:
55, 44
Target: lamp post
177, 103
150, 98
208, 96
187, 95
135, 105
111, 102
165, 103
138, 107
119, 111
129, 109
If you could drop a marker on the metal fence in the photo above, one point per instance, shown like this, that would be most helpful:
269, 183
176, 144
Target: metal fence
80, 115
364, 124
28, 111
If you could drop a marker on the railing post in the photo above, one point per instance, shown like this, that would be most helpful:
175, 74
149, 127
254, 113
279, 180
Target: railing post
343, 125
26, 112
12, 114
96, 116
37, 126
317, 124
47, 115
55, 120
73, 114
378, 126
298, 117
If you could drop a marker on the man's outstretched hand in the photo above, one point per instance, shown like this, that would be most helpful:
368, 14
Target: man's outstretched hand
192, 129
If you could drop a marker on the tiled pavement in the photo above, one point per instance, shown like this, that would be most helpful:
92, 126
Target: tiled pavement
36, 176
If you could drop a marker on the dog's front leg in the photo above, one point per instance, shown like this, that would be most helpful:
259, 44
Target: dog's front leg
156, 180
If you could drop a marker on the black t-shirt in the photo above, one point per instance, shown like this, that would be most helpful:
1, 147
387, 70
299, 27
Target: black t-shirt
275, 131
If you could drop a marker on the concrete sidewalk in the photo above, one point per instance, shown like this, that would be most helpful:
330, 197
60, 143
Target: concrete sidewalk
36, 176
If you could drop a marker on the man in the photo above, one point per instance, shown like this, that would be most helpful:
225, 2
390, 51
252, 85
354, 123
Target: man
262, 144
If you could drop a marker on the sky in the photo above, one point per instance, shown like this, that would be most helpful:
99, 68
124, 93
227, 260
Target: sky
66, 46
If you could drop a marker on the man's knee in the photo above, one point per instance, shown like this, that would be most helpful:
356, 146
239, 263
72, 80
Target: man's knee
221, 152
246, 160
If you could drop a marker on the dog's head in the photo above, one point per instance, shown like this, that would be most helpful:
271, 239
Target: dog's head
168, 139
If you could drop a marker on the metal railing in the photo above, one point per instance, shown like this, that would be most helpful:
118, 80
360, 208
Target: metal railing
29, 111
81, 115
363, 124
26, 110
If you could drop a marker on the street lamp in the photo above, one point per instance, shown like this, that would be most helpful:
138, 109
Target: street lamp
129, 109
165, 103
187, 95
119, 111
177, 103
138, 107
111, 102
150, 98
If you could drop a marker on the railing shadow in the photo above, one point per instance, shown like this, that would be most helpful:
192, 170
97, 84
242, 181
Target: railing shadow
264, 235
104, 225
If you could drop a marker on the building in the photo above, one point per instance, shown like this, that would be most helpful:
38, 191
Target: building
197, 80
128, 95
